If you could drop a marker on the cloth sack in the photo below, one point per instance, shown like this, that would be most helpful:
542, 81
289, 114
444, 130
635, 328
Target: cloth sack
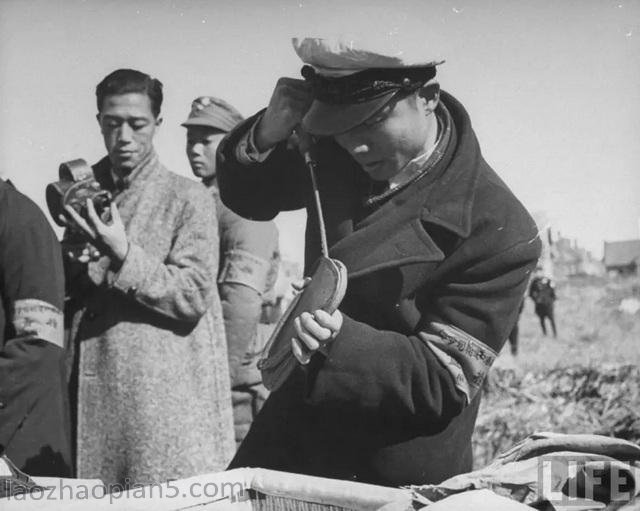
552, 471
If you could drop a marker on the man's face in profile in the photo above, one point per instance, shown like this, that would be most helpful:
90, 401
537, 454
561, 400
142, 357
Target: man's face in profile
128, 127
202, 142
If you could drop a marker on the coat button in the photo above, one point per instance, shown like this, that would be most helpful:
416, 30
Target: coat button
91, 315
2, 405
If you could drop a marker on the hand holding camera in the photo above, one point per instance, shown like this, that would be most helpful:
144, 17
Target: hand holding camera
108, 238
78, 203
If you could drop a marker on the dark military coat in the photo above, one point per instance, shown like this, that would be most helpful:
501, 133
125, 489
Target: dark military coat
436, 275
34, 421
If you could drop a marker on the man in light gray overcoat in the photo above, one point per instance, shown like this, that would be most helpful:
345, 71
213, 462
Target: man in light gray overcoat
153, 390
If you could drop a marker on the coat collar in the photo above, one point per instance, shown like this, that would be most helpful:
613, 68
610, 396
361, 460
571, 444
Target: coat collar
446, 193
393, 234
103, 171
450, 195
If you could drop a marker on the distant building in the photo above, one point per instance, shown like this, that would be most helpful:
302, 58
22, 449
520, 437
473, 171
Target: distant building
570, 259
622, 257
562, 257
544, 231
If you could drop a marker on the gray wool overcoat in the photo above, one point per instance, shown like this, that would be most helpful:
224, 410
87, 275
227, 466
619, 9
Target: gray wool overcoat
153, 389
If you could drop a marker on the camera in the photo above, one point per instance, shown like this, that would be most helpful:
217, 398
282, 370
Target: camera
76, 184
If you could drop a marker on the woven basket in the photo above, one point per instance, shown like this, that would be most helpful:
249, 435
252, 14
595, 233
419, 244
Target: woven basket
244, 489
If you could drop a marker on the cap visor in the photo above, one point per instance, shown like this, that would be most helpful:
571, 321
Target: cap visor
202, 122
324, 119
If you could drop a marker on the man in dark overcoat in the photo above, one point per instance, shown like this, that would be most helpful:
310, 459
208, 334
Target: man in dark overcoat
438, 252
34, 413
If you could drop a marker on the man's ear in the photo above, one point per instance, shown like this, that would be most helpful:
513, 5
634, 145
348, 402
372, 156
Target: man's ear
430, 93
159, 122
429, 96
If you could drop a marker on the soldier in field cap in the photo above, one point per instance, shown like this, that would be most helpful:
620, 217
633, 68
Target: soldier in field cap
249, 262
438, 252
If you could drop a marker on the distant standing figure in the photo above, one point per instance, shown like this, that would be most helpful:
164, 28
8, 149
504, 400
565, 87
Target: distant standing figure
513, 336
543, 293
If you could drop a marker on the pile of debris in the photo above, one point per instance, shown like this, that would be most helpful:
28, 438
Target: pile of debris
576, 399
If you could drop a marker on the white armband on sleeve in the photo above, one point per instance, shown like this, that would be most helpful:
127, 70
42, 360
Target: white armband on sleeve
465, 357
242, 267
246, 150
33, 318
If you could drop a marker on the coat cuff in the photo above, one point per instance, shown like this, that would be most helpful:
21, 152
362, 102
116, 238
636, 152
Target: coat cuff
349, 331
134, 270
246, 151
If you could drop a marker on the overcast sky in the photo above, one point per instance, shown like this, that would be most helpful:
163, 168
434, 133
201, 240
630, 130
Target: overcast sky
552, 86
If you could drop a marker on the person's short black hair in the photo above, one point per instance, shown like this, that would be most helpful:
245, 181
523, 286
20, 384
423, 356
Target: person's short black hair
124, 81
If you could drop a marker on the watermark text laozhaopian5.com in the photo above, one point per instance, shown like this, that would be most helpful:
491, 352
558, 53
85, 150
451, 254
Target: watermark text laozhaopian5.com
113, 492
569, 480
